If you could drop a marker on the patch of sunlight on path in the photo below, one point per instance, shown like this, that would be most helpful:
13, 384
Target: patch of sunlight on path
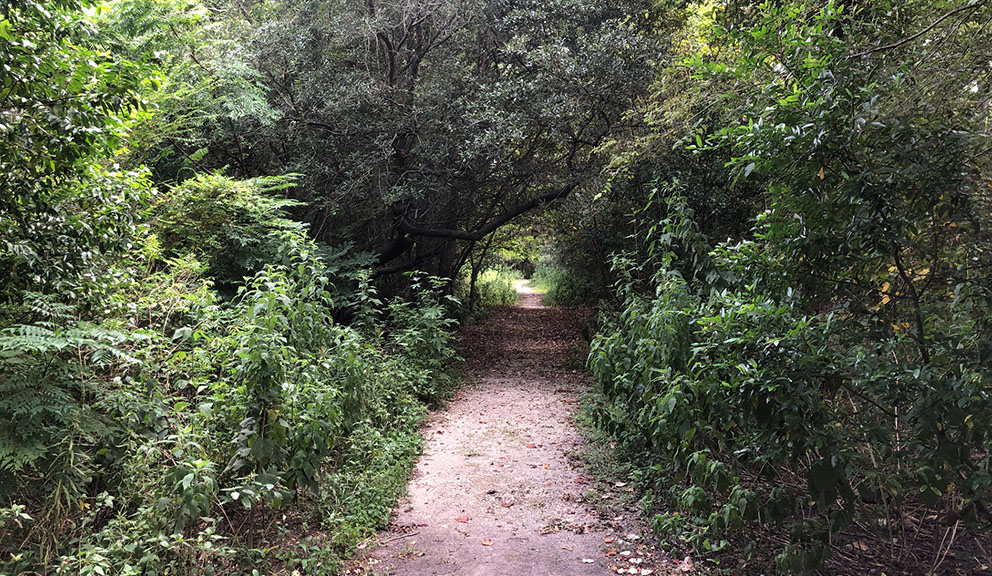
529, 297
522, 286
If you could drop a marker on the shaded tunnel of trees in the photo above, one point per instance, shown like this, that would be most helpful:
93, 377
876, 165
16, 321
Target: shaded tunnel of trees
236, 238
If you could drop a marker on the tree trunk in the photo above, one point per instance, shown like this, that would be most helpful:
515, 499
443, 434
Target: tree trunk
476, 269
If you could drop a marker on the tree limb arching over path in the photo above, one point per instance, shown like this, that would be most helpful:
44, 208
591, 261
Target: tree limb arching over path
498, 489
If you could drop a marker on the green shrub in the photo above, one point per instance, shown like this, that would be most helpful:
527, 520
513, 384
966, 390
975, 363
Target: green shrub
769, 398
828, 372
561, 286
225, 222
152, 414
420, 332
493, 288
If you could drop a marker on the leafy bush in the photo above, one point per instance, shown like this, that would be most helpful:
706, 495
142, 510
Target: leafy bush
828, 372
152, 412
170, 367
561, 285
496, 289
764, 412
493, 288
419, 332
64, 103
226, 223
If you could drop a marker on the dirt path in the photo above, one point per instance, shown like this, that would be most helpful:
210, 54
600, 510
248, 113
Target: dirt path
498, 489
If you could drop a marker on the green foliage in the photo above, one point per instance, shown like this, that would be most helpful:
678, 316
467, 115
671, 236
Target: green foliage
561, 285
144, 418
419, 331
63, 102
409, 116
795, 196
226, 222
493, 288
185, 409
829, 369
210, 102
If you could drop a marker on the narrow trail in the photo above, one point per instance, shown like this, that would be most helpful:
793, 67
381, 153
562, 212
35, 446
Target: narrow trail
498, 489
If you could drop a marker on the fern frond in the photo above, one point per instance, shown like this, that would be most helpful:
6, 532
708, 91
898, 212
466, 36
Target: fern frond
31, 338
46, 306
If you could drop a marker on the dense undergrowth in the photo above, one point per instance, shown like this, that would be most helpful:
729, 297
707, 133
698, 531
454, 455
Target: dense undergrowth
561, 287
189, 382
743, 410
811, 394
151, 425
493, 287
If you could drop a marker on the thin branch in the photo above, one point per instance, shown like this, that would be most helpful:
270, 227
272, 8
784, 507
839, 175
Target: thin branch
905, 41
383, 543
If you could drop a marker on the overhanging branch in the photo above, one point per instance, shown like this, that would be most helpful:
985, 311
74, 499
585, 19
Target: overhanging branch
476, 235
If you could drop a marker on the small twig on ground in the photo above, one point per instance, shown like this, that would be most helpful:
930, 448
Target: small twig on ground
942, 556
393, 539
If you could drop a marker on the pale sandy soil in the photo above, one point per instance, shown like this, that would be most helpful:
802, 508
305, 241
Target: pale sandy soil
499, 489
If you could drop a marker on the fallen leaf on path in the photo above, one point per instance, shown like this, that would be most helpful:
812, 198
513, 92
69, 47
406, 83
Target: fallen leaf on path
507, 504
487, 542
547, 467
462, 519
609, 539
532, 445
611, 552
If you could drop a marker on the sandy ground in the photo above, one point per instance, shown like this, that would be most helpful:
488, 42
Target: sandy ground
498, 489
